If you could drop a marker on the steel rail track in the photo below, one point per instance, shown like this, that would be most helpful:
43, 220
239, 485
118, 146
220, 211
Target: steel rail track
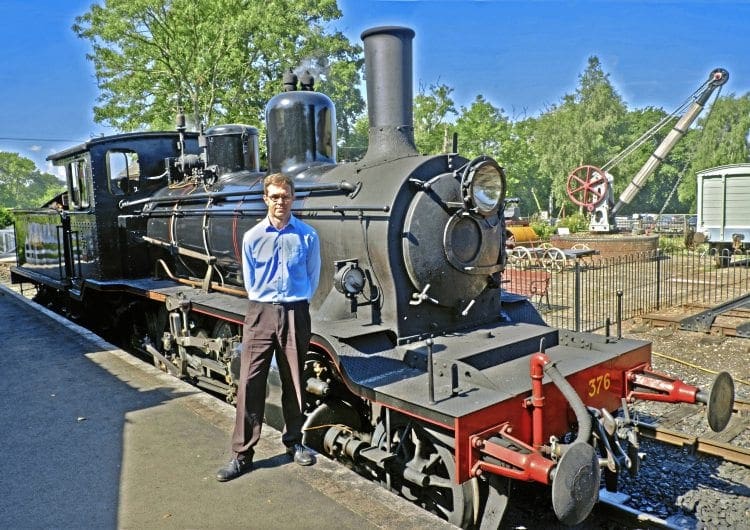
699, 444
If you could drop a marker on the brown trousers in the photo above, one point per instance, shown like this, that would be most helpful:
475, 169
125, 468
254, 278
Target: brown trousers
283, 330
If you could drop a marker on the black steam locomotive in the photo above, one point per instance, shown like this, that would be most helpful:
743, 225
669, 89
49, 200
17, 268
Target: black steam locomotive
423, 372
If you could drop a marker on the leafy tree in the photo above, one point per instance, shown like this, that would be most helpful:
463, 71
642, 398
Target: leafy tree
721, 138
431, 119
483, 129
354, 145
22, 185
587, 127
220, 59
6, 217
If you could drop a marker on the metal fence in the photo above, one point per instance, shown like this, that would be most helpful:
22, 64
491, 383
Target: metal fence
585, 292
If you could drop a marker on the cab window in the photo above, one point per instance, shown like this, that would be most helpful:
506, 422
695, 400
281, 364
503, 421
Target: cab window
123, 171
78, 183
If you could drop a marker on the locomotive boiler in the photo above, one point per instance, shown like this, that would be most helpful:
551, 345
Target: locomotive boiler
423, 373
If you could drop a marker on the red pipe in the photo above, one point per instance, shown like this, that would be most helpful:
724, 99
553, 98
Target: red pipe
530, 466
663, 387
537, 362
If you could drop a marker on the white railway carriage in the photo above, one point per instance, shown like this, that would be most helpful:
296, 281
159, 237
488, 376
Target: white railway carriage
724, 210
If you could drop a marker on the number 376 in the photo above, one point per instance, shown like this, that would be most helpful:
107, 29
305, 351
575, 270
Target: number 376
599, 383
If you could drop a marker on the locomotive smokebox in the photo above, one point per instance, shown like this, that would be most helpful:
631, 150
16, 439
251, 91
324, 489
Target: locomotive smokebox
388, 73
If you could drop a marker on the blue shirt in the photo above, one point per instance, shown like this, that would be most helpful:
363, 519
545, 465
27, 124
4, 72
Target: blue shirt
281, 265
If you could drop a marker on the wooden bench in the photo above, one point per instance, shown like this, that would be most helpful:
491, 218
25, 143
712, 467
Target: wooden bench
528, 283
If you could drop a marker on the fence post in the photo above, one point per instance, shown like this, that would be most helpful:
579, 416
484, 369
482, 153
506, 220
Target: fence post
577, 295
658, 278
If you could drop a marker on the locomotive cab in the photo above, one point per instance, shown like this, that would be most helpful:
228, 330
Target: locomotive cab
76, 238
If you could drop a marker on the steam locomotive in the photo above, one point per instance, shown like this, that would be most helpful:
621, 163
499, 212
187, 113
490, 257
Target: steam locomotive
423, 373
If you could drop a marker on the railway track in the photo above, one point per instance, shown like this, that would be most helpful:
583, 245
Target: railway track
731, 319
713, 444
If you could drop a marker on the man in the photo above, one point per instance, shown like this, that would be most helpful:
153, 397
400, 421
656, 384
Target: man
281, 268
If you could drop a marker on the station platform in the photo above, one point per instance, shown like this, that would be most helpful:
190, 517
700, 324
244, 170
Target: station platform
93, 437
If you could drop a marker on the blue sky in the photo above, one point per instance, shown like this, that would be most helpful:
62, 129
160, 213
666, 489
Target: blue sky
521, 56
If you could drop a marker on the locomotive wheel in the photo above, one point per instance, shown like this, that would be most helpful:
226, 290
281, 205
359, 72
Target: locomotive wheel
419, 451
553, 260
587, 186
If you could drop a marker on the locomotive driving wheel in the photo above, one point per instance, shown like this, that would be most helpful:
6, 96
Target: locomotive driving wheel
417, 451
587, 186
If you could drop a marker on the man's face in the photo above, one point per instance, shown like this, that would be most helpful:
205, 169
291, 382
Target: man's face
279, 201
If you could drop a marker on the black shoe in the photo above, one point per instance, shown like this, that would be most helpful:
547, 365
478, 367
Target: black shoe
234, 469
300, 454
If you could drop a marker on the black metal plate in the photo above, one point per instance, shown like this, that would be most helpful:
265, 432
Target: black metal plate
720, 402
575, 487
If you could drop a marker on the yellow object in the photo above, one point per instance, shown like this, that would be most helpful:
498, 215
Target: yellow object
523, 234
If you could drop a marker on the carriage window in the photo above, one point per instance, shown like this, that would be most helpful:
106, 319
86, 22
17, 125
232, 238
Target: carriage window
124, 172
78, 183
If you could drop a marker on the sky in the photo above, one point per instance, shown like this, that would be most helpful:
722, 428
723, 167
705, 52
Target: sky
520, 56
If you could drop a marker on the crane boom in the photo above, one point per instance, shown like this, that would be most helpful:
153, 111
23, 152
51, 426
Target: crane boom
718, 77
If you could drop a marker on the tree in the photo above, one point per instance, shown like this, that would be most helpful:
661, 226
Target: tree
431, 118
22, 185
484, 129
222, 60
6, 217
721, 138
587, 127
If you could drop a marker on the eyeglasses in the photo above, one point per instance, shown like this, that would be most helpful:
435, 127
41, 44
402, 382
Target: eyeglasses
279, 198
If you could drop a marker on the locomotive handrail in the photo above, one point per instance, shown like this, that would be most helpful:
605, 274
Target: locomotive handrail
341, 186
260, 211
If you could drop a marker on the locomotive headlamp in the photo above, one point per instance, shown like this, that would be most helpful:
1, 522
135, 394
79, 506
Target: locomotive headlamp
349, 279
483, 186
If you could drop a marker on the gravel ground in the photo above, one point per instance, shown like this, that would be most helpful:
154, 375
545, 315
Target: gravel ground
693, 491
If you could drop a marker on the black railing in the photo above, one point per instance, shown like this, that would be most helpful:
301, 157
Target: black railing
584, 293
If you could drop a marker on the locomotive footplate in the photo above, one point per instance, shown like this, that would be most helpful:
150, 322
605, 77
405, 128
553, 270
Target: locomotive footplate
472, 370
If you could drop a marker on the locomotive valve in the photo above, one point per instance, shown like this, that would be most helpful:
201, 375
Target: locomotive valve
418, 298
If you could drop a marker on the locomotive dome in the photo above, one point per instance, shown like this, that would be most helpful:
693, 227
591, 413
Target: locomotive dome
300, 131
233, 147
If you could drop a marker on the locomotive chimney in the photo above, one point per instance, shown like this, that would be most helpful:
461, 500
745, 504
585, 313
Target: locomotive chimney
388, 74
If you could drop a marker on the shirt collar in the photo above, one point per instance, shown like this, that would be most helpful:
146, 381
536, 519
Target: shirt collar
291, 224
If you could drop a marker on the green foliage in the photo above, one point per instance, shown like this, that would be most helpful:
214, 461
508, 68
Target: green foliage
431, 124
576, 222
671, 245
221, 60
722, 139
542, 228
6, 217
585, 128
22, 185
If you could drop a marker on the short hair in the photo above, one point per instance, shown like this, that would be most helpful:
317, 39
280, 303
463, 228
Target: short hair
278, 179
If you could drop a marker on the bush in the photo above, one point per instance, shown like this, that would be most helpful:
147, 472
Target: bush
542, 228
6, 217
671, 245
576, 222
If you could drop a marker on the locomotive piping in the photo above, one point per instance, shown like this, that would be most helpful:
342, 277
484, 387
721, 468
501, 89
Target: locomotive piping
580, 410
343, 186
388, 76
